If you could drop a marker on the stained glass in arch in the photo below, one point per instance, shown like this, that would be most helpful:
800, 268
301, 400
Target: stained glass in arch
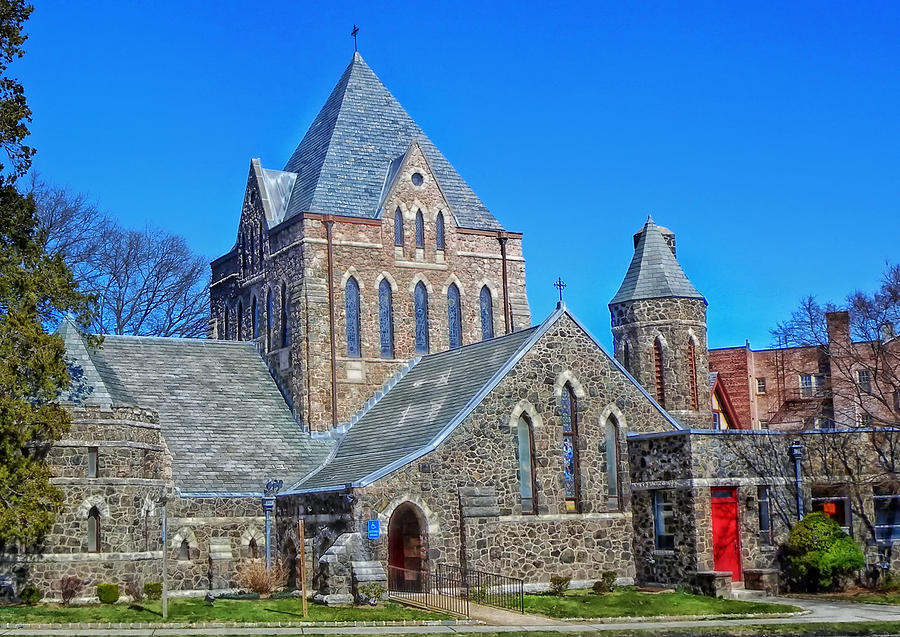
285, 328
439, 230
420, 230
421, 309
487, 313
454, 316
526, 466
351, 305
398, 228
386, 318
568, 416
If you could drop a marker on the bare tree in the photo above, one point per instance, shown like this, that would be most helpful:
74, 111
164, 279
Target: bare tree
148, 282
860, 351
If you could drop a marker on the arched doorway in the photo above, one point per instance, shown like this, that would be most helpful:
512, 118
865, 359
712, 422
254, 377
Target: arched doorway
407, 547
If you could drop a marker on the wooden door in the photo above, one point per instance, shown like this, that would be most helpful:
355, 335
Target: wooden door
726, 538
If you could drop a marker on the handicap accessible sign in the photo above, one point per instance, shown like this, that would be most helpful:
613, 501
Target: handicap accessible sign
373, 529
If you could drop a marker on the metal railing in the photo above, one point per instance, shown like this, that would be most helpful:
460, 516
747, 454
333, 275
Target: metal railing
435, 590
489, 589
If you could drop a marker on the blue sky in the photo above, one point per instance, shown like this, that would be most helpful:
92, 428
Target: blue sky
766, 135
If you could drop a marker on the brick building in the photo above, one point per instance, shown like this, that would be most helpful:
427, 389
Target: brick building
373, 350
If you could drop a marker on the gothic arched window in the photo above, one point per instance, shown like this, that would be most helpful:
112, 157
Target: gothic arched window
626, 357
270, 319
254, 318
421, 309
254, 548
225, 324
285, 328
612, 458
420, 230
454, 316
439, 230
487, 313
386, 318
527, 490
93, 530
659, 373
569, 416
184, 551
239, 327
692, 369
398, 228
351, 305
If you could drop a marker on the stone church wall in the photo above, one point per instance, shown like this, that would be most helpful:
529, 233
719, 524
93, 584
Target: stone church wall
487, 526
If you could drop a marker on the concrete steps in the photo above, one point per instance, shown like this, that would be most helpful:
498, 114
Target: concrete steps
745, 594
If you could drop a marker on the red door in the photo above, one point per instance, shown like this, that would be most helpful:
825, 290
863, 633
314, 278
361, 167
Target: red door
726, 539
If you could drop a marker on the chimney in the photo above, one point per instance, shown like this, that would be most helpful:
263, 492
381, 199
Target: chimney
838, 324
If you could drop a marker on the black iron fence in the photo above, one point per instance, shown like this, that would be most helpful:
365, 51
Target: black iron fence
489, 589
434, 590
450, 588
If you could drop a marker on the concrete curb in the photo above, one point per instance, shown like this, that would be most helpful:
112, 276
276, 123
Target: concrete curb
683, 618
241, 625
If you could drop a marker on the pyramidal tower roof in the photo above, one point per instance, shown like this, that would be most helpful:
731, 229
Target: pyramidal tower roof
345, 157
654, 272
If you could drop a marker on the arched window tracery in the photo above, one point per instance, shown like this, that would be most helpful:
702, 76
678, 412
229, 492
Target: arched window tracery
486, 302
398, 227
420, 230
527, 489
439, 231
351, 306
569, 416
386, 318
454, 316
285, 327
421, 311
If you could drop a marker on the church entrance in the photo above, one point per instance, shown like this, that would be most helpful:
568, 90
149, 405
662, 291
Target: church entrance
407, 548
726, 538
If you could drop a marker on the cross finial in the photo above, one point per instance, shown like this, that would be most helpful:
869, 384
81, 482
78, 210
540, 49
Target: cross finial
560, 285
354, 33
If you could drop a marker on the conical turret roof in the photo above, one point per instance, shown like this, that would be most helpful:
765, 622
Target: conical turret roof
654, 272
345, 157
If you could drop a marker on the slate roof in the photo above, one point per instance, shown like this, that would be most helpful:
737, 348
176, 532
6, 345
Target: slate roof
343, 160
654, 272
224, 420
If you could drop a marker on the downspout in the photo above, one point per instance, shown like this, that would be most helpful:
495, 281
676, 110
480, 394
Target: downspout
329, 222
502, 237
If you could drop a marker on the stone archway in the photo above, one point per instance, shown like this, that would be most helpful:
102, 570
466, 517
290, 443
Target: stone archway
407, 547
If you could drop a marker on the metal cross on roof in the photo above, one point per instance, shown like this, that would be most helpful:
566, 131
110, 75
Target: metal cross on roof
354, 32
560, 285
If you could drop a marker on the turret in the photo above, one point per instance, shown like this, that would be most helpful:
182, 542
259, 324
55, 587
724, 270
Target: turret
659, 328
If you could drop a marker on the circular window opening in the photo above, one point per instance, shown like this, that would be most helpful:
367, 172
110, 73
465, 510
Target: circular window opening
417, 179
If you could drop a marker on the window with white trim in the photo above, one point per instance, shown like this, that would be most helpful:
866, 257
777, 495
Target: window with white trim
664, 520
764, 502
760, 385
864, 380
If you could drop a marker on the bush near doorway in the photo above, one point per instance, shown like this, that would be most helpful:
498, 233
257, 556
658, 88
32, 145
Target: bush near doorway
819, 554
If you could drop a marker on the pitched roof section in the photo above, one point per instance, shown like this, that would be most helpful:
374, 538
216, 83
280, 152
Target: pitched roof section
413, 414
344, 159
223, 418
654, 272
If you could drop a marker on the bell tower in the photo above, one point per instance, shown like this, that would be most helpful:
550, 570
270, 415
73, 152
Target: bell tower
659, 328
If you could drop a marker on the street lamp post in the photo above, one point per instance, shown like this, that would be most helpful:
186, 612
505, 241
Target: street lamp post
268, 502
797, 453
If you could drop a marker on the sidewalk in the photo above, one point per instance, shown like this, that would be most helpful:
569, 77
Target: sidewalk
820, 611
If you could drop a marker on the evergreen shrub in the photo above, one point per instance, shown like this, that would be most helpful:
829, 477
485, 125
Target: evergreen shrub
108, 593
819, 553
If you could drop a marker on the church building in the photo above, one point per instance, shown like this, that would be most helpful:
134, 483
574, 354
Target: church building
373, 364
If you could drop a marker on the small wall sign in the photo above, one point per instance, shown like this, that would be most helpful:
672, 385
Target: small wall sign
373, 529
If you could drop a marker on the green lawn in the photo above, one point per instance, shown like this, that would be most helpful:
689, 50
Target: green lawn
196, 610
631, 603
856, 629
892, 597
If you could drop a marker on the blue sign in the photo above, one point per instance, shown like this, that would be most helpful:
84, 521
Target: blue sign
373, 529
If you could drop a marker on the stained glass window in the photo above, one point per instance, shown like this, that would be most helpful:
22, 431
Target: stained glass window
285, 328
612, 458
439, 229
487, 313
351, 305
270, 319
420, 230
421, 303
526, 466
454, 316
386, 318
239, 328
569, 417
398, 228
254, 319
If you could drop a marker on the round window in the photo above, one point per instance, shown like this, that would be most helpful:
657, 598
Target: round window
417, 179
